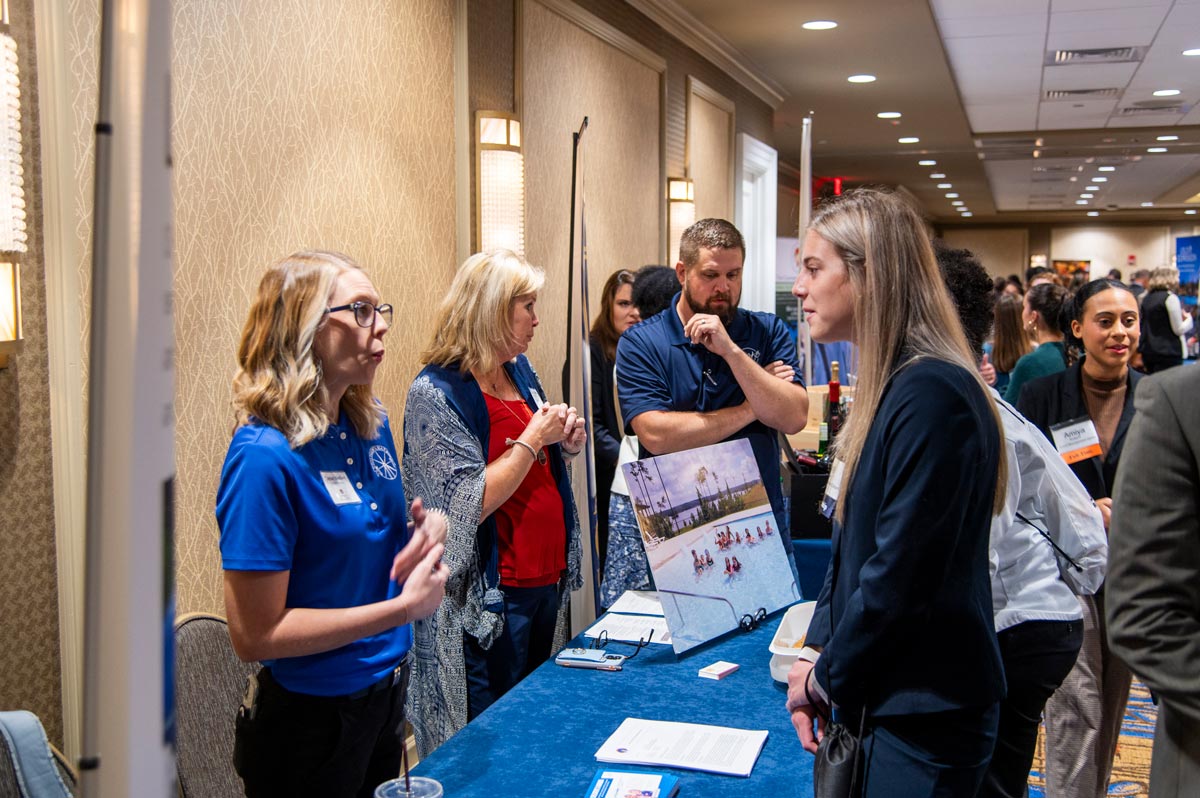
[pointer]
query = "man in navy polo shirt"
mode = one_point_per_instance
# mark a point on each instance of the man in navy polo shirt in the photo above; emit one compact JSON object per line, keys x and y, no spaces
{"x":705,"y":371}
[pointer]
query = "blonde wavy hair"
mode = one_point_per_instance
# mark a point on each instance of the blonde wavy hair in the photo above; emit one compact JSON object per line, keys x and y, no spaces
{"x":279,"y":380}
{"x":1165,"y":278}
{"x":901,"y":309}
{"x":473,"y":326}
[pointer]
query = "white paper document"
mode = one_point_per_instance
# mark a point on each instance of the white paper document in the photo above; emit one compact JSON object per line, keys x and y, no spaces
{"x":715,"y":749}
{"x":631,"y":628}
{"x":638,"y":602}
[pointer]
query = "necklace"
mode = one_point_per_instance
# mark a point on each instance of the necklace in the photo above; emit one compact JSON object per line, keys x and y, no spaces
{"x":524,"y":422}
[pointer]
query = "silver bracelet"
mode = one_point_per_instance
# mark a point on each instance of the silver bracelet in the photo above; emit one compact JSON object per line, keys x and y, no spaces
{"x":515,"y":442}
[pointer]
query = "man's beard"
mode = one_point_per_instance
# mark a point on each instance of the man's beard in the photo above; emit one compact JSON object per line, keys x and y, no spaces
{"x":725,"y":315}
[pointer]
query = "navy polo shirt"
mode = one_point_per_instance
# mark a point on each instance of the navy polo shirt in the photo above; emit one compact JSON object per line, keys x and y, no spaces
{"x":658,"y":368}
{"x":333,"y":512}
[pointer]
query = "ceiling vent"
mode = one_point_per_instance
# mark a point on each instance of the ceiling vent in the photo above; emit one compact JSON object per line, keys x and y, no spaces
{"x":1148,"y":107}
{"x":1098,"y":55}
{"x":1060,"y":168}
{"x":1080,"y":94}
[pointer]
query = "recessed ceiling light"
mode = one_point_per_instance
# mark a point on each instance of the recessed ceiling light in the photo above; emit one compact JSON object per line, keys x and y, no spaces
{"x":1081,"y":202}
{"x":1092,"y":188}
{"x":888,"y":114}
{"x":1086,"y":196}
{"x":1167,"y":138}
{"x":819,"y":24}
{"x":1100,"y":179}
{"x":908,"y":140}
{"x":861,"y":78}
{"x":1093,"y":213}
{"x":926,"y":163}
{"x":951,"y":195}
{"x":1156,"y":149}
{"x":945,"y":185}
{"x":1106,"y":168}
{"x":1190,"y":213}
{"x":1073,"y":178}
{"x":1193,"y":51}
{"x":1147,"y":204}
{"x":968,"y":213}
{"x":1166,"y":92}
{"x":937,"y":175}
{"x":958,"y":202}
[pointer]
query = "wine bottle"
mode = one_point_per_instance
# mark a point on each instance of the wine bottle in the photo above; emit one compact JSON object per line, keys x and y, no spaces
{"x":834,"y":413}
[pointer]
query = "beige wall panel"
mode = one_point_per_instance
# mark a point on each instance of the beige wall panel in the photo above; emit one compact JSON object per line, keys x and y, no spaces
{"x":1110,"y":247}
{"x":299,"y":125}
{"x":1002,"y":251}
{"x":570,"y":74}
{"x":710,"y":158}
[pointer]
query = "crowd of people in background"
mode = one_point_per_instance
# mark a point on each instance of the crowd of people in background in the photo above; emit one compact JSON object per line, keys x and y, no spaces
{"x":979,"y":485}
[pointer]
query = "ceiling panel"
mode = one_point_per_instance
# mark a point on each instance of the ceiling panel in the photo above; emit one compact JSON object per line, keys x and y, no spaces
{"x":968,"y":77}
{"x":1118,"y":19}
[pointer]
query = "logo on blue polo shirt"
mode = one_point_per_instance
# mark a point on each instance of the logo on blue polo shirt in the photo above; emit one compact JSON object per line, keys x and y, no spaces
{"x":754,"y":354}
{"x":382,"y":462}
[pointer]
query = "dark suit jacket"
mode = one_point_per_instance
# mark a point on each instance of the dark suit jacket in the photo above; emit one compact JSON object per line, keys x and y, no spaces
{"x":1051,"y":400}
{"x":905,"y":616}
{"x":1153,"y":586}
{"x":605,"y":424}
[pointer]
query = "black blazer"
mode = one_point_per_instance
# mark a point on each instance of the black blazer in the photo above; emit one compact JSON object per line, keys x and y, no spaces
{"x":905,"y":616}
{"x":605,"y":424}
{"x":1052,"y":400}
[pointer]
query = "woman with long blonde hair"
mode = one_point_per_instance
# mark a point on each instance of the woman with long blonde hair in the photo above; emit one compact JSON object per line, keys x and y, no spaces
{"x":324,"y":570}
{"x":483,"y":443}
{"x":902,"y":642}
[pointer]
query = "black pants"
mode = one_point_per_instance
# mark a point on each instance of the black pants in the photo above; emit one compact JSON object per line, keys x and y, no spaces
{"x":939,"y":755}
{"x":301,"y":746}
{"x":530,"y":614}
{"x":1037,"y":656}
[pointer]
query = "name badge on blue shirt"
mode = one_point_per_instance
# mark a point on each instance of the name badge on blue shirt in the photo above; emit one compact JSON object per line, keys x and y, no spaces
{"x":339,"y":487}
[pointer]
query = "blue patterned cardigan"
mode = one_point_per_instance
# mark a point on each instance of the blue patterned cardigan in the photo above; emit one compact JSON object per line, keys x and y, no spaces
{"x":446,"y":432}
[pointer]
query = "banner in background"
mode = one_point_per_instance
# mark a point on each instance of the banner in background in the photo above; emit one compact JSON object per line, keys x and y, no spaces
{"x":1187,"y":261}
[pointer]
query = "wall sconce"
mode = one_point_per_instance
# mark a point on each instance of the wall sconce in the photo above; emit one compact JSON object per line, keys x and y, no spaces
{"x":10,"y":311}
{"x":681,"y":212}
{"x":13,"y":236}
{"x":500,"y":192}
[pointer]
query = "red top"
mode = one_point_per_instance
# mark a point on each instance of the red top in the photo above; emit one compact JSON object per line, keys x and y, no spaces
{"x":533,"y":539}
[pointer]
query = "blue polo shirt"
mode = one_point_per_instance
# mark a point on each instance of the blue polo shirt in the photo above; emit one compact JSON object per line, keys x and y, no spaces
{"x":333,"y":513}
{"x":658,"y":368}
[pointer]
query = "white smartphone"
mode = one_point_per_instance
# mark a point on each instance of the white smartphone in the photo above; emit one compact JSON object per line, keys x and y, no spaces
{"x":593,"y":658}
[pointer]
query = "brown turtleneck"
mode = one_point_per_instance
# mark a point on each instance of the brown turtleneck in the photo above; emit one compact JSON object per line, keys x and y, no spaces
{"x":1105,"y":400}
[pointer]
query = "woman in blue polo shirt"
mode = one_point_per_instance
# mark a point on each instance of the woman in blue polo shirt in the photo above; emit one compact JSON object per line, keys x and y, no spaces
{"x":316,"y":541}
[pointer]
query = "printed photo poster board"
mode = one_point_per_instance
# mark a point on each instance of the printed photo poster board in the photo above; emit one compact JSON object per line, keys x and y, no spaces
{"x":711,"y":540}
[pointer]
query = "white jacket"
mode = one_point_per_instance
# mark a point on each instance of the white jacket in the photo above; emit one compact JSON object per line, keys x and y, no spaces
{"x":1030,"y":581}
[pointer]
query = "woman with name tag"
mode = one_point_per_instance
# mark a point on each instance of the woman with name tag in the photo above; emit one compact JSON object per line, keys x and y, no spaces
{"x":316,"y":539}
{"x":482,"y":443}
{"x":902,"y":643}
{"x":1085,"y":411}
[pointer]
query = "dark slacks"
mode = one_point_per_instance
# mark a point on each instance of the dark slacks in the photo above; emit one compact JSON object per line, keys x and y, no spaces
{"x":530,"y":614}
{"x":937,"y":755}
{"x":1037,"y":656}
{"x":304,"y":746}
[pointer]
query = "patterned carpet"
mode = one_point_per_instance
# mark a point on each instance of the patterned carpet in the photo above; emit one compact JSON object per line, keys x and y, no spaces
{"x":1131,"y":767}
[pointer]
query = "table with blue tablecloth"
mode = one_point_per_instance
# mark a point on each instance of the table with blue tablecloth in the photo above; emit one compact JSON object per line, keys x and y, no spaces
{"x":541,"y":738}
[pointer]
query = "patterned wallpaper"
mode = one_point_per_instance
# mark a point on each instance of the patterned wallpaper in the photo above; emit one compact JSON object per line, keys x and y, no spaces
{"x":299,"y":124}
{"x":29,"y":663}
{"x":569,"y":74}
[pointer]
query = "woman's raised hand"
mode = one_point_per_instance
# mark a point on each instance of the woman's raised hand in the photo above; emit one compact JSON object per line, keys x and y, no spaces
{"x":426,"y":529}
{"x":548,"y":424}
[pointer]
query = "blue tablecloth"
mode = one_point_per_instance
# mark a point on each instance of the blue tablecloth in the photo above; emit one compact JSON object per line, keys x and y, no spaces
{"x":541,"y":738}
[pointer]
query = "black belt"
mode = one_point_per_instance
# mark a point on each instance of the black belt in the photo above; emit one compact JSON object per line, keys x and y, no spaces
{"x":386,"y":683}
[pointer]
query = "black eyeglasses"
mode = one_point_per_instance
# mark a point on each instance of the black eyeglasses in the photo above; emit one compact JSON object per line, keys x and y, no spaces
{"x":749,"y":621}
{"x":602,"y":641}
{"x":364,"y":312}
